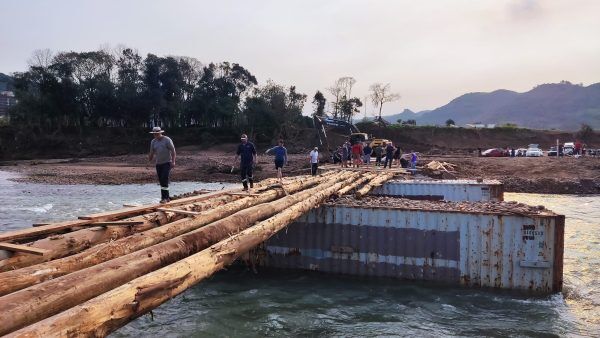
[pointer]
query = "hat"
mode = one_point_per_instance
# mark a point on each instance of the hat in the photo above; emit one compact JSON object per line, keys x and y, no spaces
{"x":244,"y":137}
{"x":157,"y":130}
{"x":316,"y":148}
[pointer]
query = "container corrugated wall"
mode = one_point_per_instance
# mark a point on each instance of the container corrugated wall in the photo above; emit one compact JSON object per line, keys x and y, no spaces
{"x":449,"y":190}
{"x":478,"y":250}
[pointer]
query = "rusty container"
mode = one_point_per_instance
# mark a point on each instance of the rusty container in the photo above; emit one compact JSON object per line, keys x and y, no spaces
{"x":486,"y":248}
{"x":448,"y":190}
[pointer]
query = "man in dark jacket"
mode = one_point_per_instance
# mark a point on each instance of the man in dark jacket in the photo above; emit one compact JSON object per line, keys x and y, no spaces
{"x":389,"y":155}
{"x":247,"y":154}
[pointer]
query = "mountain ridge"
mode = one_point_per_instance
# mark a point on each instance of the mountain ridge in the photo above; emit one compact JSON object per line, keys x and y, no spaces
{"x":561,"y":105}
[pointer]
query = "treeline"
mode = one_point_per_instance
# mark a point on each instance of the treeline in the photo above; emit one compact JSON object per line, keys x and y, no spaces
{"x":79,"y":90}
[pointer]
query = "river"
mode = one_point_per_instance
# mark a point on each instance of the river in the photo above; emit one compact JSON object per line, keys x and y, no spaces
{"x":239,"y":303}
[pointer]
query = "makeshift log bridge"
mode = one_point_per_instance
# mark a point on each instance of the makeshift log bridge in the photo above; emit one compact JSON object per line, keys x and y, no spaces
{"x":146,"y":255}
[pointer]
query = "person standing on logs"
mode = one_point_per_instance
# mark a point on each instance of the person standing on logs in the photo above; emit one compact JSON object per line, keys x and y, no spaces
{"x":247,"y":154}
{"x":314,"y":161}
{"x":389,"y":154}
{"x":280,"y":158}
{"x":162,"y":151}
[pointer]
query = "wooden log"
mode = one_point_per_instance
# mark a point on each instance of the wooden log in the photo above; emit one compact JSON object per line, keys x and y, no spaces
{"x":179,"y":211}
{"x":375,"y":182}
{"x":358,"y":182}
{"x":37,"y":302}
{"x":107,"y":223}
{"x":111,"y":310}
{"x":22,"y":248}
{"x":11,"y":281}
{"x":41,"y":230}
{"x":77,"y":241}
{"x":110,"y":216}
{"x":242,"y":194}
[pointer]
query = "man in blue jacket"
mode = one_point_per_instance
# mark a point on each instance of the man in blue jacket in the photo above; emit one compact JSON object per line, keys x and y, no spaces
{"x":247,"y":154}
{"x":280,"y":158}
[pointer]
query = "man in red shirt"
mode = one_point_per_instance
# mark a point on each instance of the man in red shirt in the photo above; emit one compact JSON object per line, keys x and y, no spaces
{"x":357,"y":154}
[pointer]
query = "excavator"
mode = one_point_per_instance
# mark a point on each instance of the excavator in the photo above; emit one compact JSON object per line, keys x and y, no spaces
{"x":350,"y":131}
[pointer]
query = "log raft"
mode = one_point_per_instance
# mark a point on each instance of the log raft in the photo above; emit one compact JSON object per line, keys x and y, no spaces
{"x":60,"y":295}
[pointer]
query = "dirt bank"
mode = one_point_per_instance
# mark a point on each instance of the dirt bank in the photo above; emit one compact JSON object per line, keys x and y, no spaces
{"x":192,"y":165}
{"x":534,"y":175}
{"x":547,"y":175}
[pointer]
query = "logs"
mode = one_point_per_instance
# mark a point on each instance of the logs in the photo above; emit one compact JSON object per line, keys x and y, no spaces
{"x":73,"y":242}
{"x":376,"y":182}
{"x":358,"y":182}
{"x":113,"y":309}
{"x":18,"y":279}
{"x":41,"y":301}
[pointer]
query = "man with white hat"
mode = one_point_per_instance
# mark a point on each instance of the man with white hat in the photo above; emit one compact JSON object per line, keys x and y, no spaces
{"x":163,"y":151}
{"x":247,"y":154}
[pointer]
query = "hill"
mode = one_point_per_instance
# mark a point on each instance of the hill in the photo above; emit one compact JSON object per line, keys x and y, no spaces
{"x":563,"y":106}
{"x":6,"y":82}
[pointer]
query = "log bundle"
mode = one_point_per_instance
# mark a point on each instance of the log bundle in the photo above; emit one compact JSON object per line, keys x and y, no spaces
{"x":130,"y":263}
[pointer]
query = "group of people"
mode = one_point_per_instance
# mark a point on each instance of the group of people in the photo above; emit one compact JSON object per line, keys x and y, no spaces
{"x":360,"y":153}
{"x":163,"y":154}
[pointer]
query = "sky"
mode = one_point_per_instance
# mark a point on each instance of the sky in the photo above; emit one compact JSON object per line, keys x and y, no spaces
{"x":429,"y":51}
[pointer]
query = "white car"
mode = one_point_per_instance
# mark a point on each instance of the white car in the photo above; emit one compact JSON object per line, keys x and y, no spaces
{"x":534,"y":151}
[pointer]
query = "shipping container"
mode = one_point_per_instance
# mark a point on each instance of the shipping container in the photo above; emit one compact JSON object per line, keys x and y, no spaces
{"x":449,"y":190}
{"x":483,"y":248}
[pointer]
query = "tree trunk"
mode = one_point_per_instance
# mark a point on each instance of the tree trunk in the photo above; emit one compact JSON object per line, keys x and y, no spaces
{"x":111,"y":310}
{"x":77,"y":241}
{"x":12,"y":281}
{"x":376,"y":182}
{"x":41,"y":301}
{"x":346,"y":189}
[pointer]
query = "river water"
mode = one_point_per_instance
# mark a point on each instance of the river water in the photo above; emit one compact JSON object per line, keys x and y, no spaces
{"x":239,"y":303}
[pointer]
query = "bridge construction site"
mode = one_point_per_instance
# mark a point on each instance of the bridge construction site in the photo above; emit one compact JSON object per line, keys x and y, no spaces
{"x":93,"y":275}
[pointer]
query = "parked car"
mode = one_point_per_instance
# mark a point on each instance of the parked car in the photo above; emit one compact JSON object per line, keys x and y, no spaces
{"x":521,"y":152}
{"x":534,"y":151}
{"x":569,"y":148}
{"x":554,"y":152}
{"x":494,"y":152}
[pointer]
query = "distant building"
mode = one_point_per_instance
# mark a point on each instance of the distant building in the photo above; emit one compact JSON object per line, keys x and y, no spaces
{"x":7,"y":100}
{"x":480,"y":125}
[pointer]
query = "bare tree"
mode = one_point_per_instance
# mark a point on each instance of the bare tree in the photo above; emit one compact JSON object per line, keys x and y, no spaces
{"x":336,"y":90}
{"x":381,"y":94}
{"x":40,"y":58}
{"x":342,"y":88}
{"x":347,"y":82}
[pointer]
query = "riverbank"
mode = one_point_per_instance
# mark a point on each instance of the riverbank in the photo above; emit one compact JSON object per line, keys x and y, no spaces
{"x":533,"y":175}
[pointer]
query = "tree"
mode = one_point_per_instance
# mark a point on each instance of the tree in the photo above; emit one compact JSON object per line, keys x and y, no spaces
{"x":349,"y":107}
{"x":40,"y":58}
{"x":450,"y":122}
{"x":341,"y":88}
{"x":273,"y":111}
{"x":585,"y":133}
{"x":336,"y":90}
{"x":381,"y":94}
{"x":319,"y":101}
